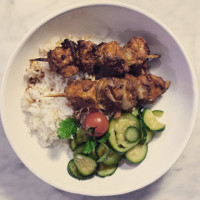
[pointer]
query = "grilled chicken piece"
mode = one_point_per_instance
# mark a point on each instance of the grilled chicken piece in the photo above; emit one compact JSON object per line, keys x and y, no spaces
{"x":136,"y":51}
{"x":140,"y":70}
{"x":62,"y":59}
{"x":112,"y":95}
{"x":116,"y":94}
{"x":86,"y":55}
{"x":103,"y":60}
{"x":149,"y":87}
{"x":110,"y":55}
{"x":82,"y":94}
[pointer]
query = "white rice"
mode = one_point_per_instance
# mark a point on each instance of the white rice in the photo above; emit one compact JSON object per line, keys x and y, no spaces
{"x":45,"y":113}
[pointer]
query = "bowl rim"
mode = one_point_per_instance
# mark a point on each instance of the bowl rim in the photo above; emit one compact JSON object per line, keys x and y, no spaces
{"x":76,"y":6}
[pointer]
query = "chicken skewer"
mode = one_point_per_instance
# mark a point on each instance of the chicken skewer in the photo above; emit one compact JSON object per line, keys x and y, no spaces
{"x":113,"y":95}
{"x":106,"y":59}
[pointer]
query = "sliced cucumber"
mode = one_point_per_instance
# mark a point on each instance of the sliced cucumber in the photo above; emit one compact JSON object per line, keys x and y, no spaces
{"x":73,"y":171}
{"x":135,"y":112}
{"x":130,"y":117}
{"x":151,"y":122}
{"x":118,"y":146}
{"x":132,"y":134}
{"x":81,"y":136}
{"x":143,"y":133}
{"x":112,"y":158}
{"x":137,"y":154}
{"x":125,"y":121}
{"x":86,"y":165}
{"x":117,"y":128}
{"x":158,"y":113}
{"x":106,"y":170}
{"x":93,"y":154}
{"x":150,"y":136}
{"x":73,"y":144}
{"x":79,"y":149}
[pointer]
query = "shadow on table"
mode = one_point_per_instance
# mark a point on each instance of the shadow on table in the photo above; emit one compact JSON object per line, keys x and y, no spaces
{"x":18,"y":183}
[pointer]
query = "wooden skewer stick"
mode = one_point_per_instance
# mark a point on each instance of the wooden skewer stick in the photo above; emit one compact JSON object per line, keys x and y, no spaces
{"x":40,"y":59}
{"x":153,"y":56}
{"x":56,"y":95}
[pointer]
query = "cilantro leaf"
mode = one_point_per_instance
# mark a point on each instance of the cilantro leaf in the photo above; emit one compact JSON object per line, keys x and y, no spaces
{"x":104,"y":138}
{"x":90,"y":130}
{"x":89,"y":146}
{"x":66,"y":128}
{"x":104,"y":155}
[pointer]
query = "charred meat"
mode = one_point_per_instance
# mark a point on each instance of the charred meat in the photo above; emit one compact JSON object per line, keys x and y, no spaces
{"x":85,"y":55}
{"x":104,"y":60}
{"x":110,"y":57}
{"x":113,"y":95}
{"x":136,"y":51}
{"x":62,"y":59}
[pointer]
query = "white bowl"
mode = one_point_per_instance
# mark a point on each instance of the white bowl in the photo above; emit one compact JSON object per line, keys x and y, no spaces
{"x":108,"y":22}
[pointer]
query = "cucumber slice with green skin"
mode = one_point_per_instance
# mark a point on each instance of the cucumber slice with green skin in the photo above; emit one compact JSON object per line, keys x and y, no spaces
{"x":125,"y":121}
{"x":117,"y":128}
{"x":73,"y":171}
{"x":135,"y":112}
{"x":137,"y":154}
{"x":143,"y":133}
{"x":73,"y":144}
{"x":106,"y":170}
{"x":131,"y":117}
{"x":151,"y":122}
{"x":81,"y":136}
{"x":132,"y":134}
{"x":86,"y":165}
{"x":93,"y":154}
{"x":112,"y":158}
{"x":150,"y":136}
{"x":79,"y":149}
{"x":158,"y":113}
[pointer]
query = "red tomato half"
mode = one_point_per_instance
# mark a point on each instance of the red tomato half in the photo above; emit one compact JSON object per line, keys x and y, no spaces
{"x":98,"y":120}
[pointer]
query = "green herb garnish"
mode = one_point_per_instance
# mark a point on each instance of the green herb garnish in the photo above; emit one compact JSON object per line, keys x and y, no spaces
{"x":89,"y":146}
{"x":90,"y":130}
{"x":67,"y":128}
{"x":104,"y":138}
{"x":92,"y":142}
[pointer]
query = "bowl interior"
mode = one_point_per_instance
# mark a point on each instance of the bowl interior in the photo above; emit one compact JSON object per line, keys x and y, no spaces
{"x":104,"y":24}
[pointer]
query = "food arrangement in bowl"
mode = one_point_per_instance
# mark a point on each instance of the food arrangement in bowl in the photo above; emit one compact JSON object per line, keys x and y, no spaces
{"x":103,"y":88}
{"x":83,"y":67}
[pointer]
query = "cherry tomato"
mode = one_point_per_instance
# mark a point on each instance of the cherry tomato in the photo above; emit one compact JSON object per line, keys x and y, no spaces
{"x":98,"y":120}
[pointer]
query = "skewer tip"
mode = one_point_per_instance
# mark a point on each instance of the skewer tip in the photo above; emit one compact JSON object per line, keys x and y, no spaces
{"x":56,"y":95}
{"x":39,"y":59}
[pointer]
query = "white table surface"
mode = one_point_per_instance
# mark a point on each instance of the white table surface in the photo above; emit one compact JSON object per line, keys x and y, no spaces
{"x":181,"y":182}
